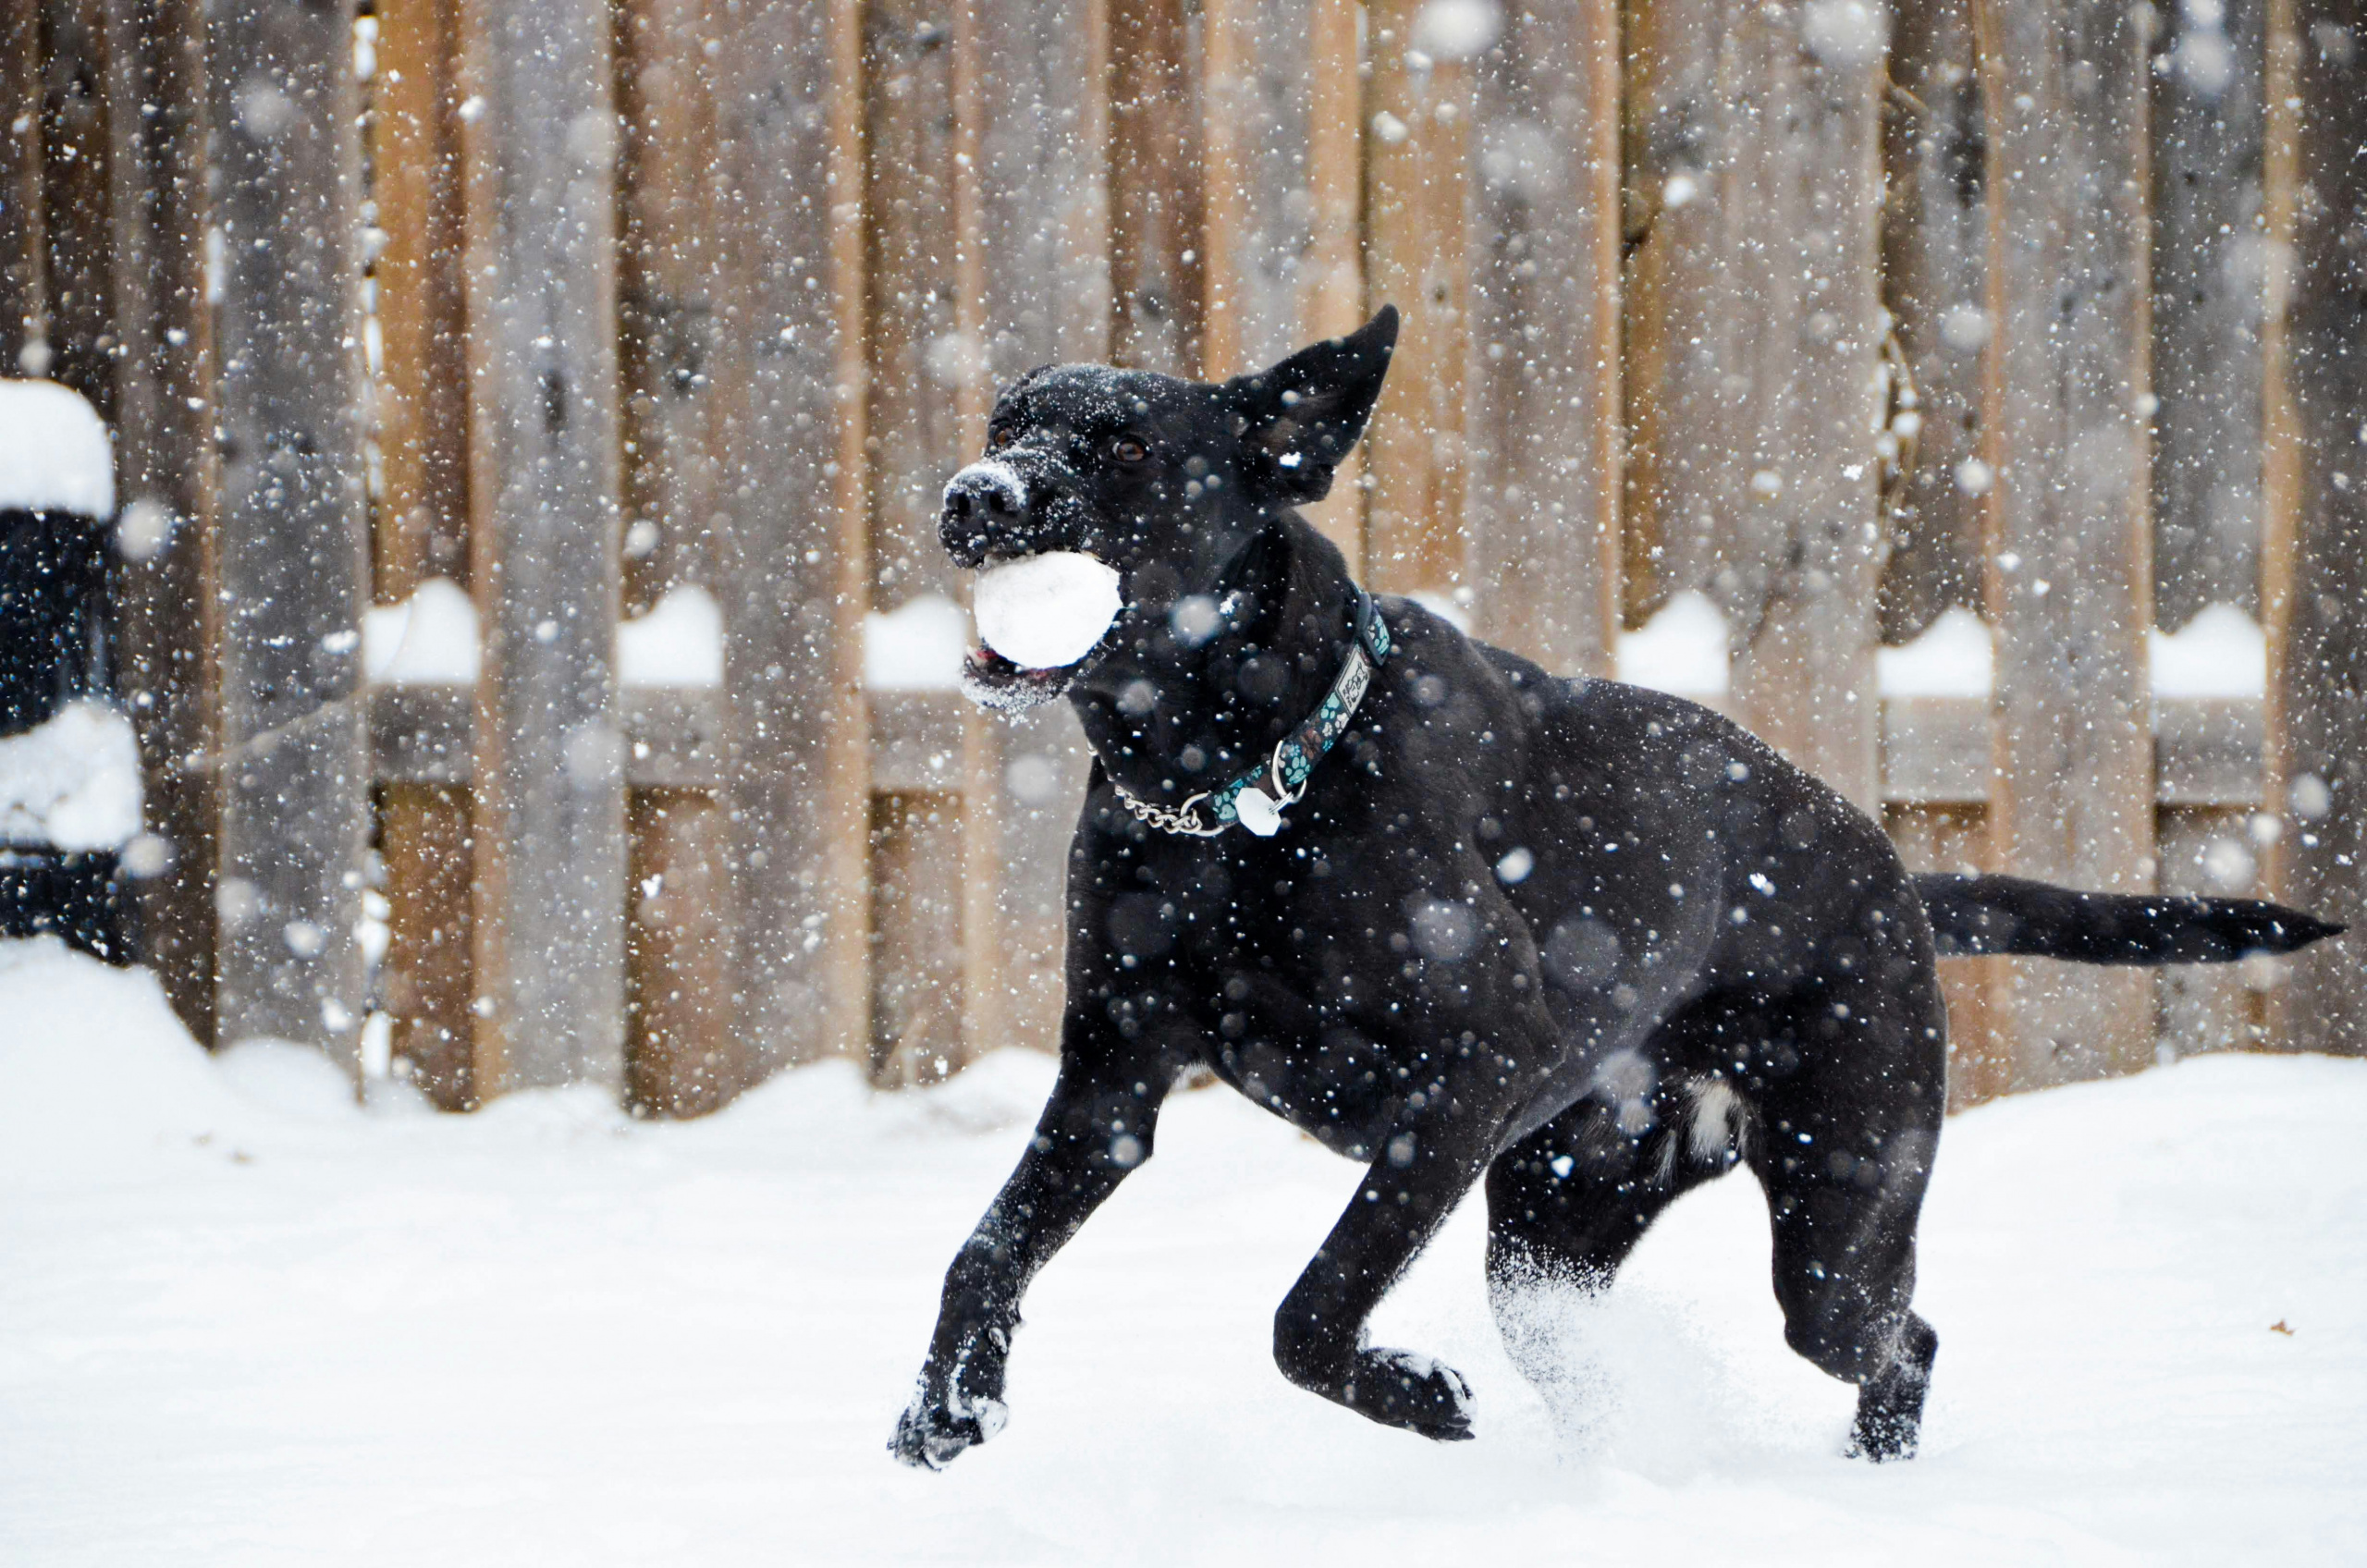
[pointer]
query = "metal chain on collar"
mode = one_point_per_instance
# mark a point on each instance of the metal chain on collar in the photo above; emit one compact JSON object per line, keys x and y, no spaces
{"x":1184,"y":819}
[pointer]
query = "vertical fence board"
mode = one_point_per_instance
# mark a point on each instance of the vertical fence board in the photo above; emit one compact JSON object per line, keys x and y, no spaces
{"x":684,"y":1053}
{"x":24,"y":291}
{"x":1155,"y":123}
{"x":294,"y":539}
{"x":540,"y":146}
{"x":1679,"y":73}
{"x":1260,"y":231}
{"x":166,"y":585}
{"x":1416,"y":172}
{"x":428,"y":979}
{"x":1955,"y":839}
{"x":1759,"y":154}
{"x":1541,"y":498}
{"x":74,"y":148}
{"x":2210,"y":264}
{"x":2069,"y":579}
{"x":798,"y":567}
{"x":915,"y":938}
{"x":1936,"y":259}
{"x":1335,"y":259}
{"x":1040,"y":256}
{"x":2211,"y":257}
{"x":687,"y":1058}
{"x":2320,"y":646}
{"x":423,"y":387}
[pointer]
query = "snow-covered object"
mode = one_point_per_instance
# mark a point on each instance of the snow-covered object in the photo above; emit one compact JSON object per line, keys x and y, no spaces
{"x":918,"y":646}
{"x":2221,"y":653}
{"x":428,"y":640}
{"x":1048,"y":610}
{"x":678,"y":643}
{"x":72,"y":783}
{"x":54,"y":455}
{"x":1683,"y":649}
{"x":1955,"y":657}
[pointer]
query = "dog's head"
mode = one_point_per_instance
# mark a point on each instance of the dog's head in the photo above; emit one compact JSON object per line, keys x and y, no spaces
{"x":1168,"y":481}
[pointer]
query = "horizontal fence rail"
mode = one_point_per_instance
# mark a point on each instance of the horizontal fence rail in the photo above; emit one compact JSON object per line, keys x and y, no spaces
{"x":532,"y":415}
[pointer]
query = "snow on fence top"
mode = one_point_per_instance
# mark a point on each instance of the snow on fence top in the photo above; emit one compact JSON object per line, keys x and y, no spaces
{"x":918,"y":646}
{"x":1683,"y":649}
{"x":55,"y":454}
{"x":71,"y":783}
{"x":2221,"y":653}
{"x":678,"y":643}
{"x":1955,"y":657}
{"x":430,"y":638}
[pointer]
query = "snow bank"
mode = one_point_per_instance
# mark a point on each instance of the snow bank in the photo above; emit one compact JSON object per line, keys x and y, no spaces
{"x":245,"y":1320}
{"x":73,"y":782}
{"x":918,"y":646}
{"x":428,"y":640}
{"x":678,"y":643}
{"x":1681,"y":649}
{"x":1955,"y":657}
{"x":54,"y":453}
{"x":2221,"y":653}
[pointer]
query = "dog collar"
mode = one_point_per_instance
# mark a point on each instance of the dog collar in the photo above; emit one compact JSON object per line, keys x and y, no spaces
{"x":1258,"y":799}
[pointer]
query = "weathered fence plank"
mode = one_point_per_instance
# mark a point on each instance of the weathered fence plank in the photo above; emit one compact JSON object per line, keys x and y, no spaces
{"x":1759,"y":133}
{"x":1335,"y":248}
{"x":541,"y":143}
{"x":24,"y":248}
{"x":2210,"y":259}
{"x":684,"y":1053}
{"x":1935,"y":260}
{"x":1416,"y":173}
{"x":1541,"y":496}
{"x":74,"y":137}
{"x":1260,"y":219}
{"x":169,"y":592}
{"x":2069,"y":581}
{"x":293,"y":533}
{"x":427,"y":978}
{"x":798,"y":567}
{"x":1155,"y":180}
{"x":1981,"y":1057}
{"x":2318,"y":617}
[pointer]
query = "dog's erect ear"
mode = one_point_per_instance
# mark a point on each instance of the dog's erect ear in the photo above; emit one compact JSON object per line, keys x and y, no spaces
{"x":1299,"y":418}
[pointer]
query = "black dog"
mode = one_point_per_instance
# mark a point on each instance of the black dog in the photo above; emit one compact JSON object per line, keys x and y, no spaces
{"x":1590,"y":941}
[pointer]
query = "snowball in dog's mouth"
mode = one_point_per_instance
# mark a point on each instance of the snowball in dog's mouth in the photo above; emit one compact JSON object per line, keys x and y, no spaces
{"x":1039,"y":618}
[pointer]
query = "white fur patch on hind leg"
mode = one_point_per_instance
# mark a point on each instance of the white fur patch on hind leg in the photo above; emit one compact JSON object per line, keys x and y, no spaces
{"x":1714,"y":1135}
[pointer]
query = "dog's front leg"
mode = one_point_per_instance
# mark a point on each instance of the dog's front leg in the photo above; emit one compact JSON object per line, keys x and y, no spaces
{"x":1095,"y":1129}
{"x":1428,"y":1162}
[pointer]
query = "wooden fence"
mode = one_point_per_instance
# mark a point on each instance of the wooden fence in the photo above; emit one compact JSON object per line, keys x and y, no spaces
{"x":1837,"y":314}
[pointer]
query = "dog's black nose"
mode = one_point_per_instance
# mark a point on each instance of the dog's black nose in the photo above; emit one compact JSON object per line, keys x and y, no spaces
{"x":983,"y":501}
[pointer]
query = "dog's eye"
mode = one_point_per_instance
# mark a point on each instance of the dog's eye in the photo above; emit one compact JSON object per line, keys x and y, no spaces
{"x":1127,"y":450}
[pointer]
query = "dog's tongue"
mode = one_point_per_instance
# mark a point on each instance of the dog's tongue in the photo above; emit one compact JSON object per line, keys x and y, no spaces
{"x":1048,"y":610}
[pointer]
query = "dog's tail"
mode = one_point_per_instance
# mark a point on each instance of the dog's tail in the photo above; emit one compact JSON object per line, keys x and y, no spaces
{"x":1973,"y":916}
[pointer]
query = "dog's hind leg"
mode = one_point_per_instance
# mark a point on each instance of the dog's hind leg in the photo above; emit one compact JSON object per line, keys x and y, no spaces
{"x":1568,"y":1203}
{"x":1847,"y":1138}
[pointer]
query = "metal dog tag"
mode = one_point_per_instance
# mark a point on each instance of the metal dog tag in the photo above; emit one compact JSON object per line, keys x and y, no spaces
{"x":1258,"y":812}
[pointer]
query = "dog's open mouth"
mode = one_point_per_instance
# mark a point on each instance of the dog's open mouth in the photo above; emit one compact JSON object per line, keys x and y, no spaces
{"x":993,"y":681}
{"x":1042,"y":618}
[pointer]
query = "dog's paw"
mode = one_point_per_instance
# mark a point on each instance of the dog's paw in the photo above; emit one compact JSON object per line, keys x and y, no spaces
{"x":1882,"y":1437}
{"x":1404,"y":1388}
{"x":931,"y":1435}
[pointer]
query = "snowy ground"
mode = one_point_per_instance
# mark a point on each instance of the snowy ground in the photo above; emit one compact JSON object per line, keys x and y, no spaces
{"x":242,"y":1321}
